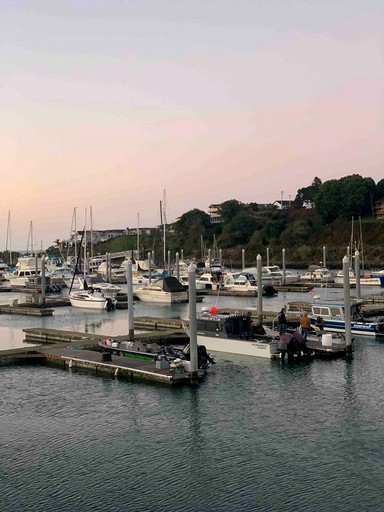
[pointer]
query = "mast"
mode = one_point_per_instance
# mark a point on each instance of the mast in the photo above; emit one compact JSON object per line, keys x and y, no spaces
{"x":90,"y":213}
{"x":138,"y":238}
{"x":85,"y":243}
{"x":30,"y":238}
{"x":9,"y":241}
{"x":164,"y":228}
{"x":361,"y":245}
{"x":162,"y":225}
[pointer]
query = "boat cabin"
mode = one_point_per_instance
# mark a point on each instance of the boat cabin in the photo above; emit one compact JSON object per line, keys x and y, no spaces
{"x":335,"y":311}
{"x":224,"y":326}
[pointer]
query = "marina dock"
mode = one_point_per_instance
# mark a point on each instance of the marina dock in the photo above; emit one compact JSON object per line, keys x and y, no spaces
{"x":69,"y":349}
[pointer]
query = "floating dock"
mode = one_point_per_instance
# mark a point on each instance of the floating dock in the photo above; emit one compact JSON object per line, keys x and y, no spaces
{"x":69,"y":349}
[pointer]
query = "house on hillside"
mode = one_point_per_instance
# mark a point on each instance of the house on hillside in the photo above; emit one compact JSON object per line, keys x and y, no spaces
{"x":282,"y":204}
{"x":378,"y":208}
{"x":95,"y":236}
{"x":139,"y":231}
{"x":214,"y":214}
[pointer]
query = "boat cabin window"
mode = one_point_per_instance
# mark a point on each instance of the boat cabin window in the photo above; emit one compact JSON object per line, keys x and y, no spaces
{"x":237,"y":326}
{"x":320,"y":311}
{"x":208,"y":326}
{"x":335,"y":312}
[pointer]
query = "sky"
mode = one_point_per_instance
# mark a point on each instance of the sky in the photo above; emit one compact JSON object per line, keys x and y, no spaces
{"x":106,"y":104}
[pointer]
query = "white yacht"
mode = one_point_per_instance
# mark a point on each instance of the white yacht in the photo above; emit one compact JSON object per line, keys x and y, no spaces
{"x":242,"y":282}
{"x":167,"y":290}
{"x":364,"y":280}
{"x":316,"y":273}
{"x":277,"y":274}
{"x":98,"y":284}
{"x":26,"y":267}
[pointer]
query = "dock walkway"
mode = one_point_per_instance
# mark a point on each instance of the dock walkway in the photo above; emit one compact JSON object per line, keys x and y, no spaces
{"x":132,"y":368}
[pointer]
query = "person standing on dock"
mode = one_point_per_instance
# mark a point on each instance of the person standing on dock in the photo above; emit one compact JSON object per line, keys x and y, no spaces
{"x":282,"y":322}
{"x":305,"y":324}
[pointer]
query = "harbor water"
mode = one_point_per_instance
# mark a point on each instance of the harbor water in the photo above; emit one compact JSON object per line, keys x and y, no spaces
{"x":256,"y":435}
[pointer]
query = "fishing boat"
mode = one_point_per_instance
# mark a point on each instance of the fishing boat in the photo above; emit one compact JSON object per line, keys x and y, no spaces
{"x":332,"y":315}
{"x":166,"y":290}
{"x":235,"y":334}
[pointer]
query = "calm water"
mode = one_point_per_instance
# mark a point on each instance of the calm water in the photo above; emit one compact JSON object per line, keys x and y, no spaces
{"x":257,"y":435}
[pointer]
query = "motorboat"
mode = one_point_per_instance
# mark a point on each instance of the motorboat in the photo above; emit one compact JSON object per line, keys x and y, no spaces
{"x":62,"y":275}
{"x":26,"y":267}
{"x":90,"y":299}
{"x":36,"y":283}
{"x":273,"y":275}
{"x":208,"y":281}
{"x":364,"y":280}
{"x":316,"y":273}
{"x":166,"y":290}
{"x":4,"y":271}
{"x":155,"y":352}
{"x":235,"y":334}
{"x":98,"y":284}
{"x":332,"y":315}
{"x":119,"y":274}
{"x":246,"y":282}
{"x":276,"y":274}
{"x":242,"y":282}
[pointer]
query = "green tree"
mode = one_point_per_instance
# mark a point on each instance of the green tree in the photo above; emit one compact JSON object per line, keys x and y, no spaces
{"x":347,"y":197}
{"x":189,"y":229}
{"x":380,"y":189}
{"x":306,"y":195}
{"x":229,"y":209}
{"x":238,"y":231}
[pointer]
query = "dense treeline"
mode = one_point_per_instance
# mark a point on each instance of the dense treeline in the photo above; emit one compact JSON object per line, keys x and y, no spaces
{"x":320,"y":215}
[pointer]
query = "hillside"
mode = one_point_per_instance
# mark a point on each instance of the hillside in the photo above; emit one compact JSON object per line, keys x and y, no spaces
{"x":301,"y":234}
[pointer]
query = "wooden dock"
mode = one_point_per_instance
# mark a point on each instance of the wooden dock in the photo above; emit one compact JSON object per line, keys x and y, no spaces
{"x":68,"y":349}
{"x":128,"y":367}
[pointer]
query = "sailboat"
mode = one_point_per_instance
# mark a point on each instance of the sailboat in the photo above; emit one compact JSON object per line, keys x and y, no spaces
{"x":6,"y":269}
{"x":89,"y":298}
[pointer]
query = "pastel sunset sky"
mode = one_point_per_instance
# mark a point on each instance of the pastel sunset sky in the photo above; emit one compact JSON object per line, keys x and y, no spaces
{"x":106,"y":103}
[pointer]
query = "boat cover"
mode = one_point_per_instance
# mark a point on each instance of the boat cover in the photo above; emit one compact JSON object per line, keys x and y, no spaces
{"x":171,"y":284}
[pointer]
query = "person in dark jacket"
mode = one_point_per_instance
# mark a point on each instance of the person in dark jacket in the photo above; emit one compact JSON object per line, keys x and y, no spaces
{"x":282,"y":322}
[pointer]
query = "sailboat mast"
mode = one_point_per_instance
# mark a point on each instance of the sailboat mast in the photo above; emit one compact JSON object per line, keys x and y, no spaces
{"x":138,"y":236}
{"x":85,"y":243}
{"x":9,"y":241}
{"x":164,"y":228}
{"x":74,"y":231}
{"x":30,"y":238}
{"x":361,"y":245}
{"x":90,"y":213}
{"x":162,"y":225}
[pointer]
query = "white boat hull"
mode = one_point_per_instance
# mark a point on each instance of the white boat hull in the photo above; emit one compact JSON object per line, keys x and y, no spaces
{"x":266,"y":349}
{"x":90,"y":301}
{"x":150,"y":295}
{"x":364,"y":281}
